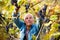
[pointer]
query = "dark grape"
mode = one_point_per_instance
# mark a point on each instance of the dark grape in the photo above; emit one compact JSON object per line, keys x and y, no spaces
{"x":7,"y":29}
{"x":44,"y":9}
{"x":27,"y":7}
{"x":9,"y":26}
{"x":40,"y":14}
{"x":13,"y":1}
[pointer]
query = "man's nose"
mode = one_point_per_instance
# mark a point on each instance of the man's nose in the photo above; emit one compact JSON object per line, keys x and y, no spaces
{"x":28,"y":19}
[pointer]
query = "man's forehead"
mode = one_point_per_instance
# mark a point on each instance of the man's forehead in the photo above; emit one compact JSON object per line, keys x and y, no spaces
{"x":29,"y":14}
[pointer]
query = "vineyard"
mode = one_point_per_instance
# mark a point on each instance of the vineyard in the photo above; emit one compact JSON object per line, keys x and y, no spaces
{"x":50,"y":28}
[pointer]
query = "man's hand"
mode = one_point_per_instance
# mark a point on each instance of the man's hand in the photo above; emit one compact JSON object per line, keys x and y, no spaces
{"x":14,"y":2}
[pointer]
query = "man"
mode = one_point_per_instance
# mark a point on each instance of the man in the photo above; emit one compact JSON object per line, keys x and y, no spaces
{"x":27,"y":28}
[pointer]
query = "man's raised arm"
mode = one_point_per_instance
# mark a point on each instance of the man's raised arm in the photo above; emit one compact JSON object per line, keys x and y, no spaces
{"x":15,"y":17}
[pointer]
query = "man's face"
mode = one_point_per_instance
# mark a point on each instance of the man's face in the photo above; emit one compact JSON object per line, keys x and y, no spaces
{"x":29,"y":20}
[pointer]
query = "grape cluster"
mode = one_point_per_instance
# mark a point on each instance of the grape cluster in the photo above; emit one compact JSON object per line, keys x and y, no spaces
{"x":27,"y":7}
{"x":9,"y":26}
{"x":44,"y":9}
{"x":42,"y":12}
{"x":13,"y":1}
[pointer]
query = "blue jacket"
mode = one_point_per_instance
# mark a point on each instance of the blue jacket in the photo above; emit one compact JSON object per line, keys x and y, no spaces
{"x":21,"y":25}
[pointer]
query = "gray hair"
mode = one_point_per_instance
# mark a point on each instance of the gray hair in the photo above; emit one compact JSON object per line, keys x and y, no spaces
{"x":28,"y":14}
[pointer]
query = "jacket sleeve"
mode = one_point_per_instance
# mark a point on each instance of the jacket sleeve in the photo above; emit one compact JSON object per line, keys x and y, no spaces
{"x":37,"y":24}
{"x":16,"y":20}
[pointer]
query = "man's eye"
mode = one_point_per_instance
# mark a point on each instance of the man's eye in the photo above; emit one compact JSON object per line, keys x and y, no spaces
{"x":30,"y":17}
{"x":26,"y":18}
